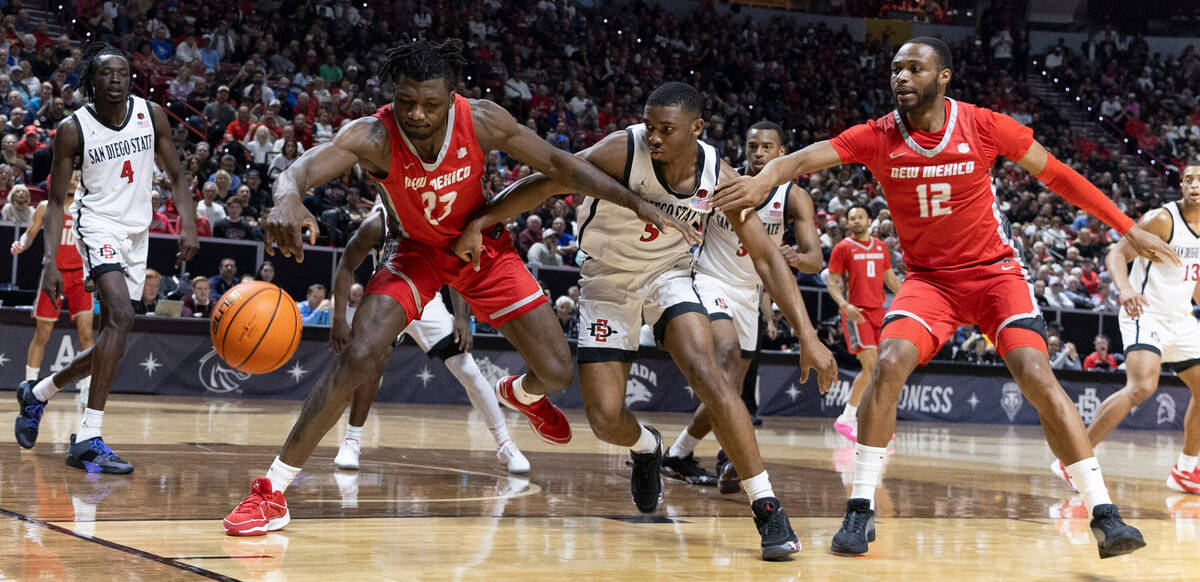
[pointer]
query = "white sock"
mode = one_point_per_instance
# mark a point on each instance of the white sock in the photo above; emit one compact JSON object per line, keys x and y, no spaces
{"x":481,"y":394}
{"x":522,"y":396}
{"x":684,"y":445}
{"x":46,"y":388}
{"x":281,"y":475}
{"x":353,"y":432}
{"x":850,"y":412}
{"x":645,"y":443}
{"x":84,"y":384}
{"x":1186,"y":463}
{"x":31,"y":373}
{"x":868,"y":467}
{"x":758,"y":486}
{"x":89,"y":425}
{"x":1088,"y":479}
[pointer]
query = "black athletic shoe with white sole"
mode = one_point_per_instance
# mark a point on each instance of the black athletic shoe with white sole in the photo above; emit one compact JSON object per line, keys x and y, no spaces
{"x":778,"y":539}
{"x":858,"y":528}
{"x":1114,"y":537}
{"x":29,"y":414}
{"x":94,"y":456}
{"x":646,"y":481}
{"x":687,"y":469}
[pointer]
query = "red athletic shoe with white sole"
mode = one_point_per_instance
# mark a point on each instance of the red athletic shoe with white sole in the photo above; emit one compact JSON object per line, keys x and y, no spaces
{"x":546,"y":420}
{"x":1060,"y":470}
{"x":262,"y":511}
{"x":1186,"y":482}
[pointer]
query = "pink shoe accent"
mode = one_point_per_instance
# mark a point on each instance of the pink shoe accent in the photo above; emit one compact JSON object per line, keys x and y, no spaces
{"x":846,"y":430}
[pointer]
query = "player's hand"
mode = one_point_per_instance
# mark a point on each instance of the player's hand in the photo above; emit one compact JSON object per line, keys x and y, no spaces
{"x":283,"y":228}
{"x":814,"y":354}
{"x":1151,"y":246}
{"x":651,"y":214}
{"x":772,"y":329}
{"x":789,"y":254}
{"x":189,"y":243}
{"x":52,"y":283}
{"x":339,"y":335}
{"x":469,"y":245}
{"x":18,"y":247}
{"x":854,"y":314}
{"x":462,"y":334}
{"x":740,"y":192}
{"x":1133,"y":302}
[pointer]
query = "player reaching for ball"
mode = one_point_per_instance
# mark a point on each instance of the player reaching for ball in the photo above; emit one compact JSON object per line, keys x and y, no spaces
{"x":933,"y":157}
{"x":427,"y":150}
{"x":113,"y":142}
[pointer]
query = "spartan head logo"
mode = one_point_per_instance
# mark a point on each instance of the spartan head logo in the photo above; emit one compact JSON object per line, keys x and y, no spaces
{"x":216,"y":377}
{"x":1166,"y":408}
{"x":1011,"y":400}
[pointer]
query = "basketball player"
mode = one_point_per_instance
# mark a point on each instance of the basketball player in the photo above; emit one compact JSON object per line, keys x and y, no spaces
{"x":731,"y":292}
{"x":1157,"y":325}
{"x":113,"y":142}
{"x":866,"y":263}
{"x":932,"y":155}
{"x":636,"y":272}
{"x":437,"y":333}
{"x":79,"y":301}
{"x":426,"y":149}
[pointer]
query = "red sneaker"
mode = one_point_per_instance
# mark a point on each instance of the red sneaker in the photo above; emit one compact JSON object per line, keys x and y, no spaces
{"x":262,"y":511}
{"x":1188,"y":482}
{"x":546,"y":420}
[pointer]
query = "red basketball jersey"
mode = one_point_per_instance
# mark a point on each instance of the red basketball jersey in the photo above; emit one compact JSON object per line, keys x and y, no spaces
{"x":863,"y":264}
{"x":938,"y":185}
{"x":68,"y":254}
{"x":434,"y":200}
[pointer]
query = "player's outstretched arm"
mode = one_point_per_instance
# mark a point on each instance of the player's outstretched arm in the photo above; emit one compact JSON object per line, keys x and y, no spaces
{"x":366,"y":237}
{"x":364,"y":141}
{"x":747,"y":191}
{"x":497,"y":129}
{"x":35,"y":226}
{"x":1075,"y":189}
{"x":168,"y":158}
{"x":779,"y":283}
{"x":1158,"y":223}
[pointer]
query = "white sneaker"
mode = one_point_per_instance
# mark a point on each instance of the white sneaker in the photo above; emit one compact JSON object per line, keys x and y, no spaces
{"x":347,"y":456}
{"x":348,"y":486}
{"x":511,"y":456}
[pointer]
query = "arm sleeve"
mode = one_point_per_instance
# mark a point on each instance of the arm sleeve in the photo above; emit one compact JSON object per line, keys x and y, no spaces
{"x":1078,"y":191}
{"x":1004,"y":135}
{"x":857,"y":145}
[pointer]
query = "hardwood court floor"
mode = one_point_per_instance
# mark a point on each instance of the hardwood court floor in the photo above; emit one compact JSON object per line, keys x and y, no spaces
{"x":959,"y":502}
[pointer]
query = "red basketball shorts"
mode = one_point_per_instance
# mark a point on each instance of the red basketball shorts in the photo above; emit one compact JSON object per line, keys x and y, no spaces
{"x":865,"y":335}
{"x":501,"y":291}
{"x":78,"y":300}
{"x":932,"y":305}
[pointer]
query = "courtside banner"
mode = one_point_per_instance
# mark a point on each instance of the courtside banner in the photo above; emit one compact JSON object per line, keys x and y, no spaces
{"x":175,"y":357}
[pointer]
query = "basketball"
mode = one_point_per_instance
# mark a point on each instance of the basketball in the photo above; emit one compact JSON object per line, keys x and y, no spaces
{"x":255,"y":327}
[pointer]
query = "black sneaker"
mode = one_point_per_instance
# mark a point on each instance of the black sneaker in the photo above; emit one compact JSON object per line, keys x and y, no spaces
{"x":29,"y":414}
{"x":858,"y":528}
{"x":646,"y":481}
{"x":688,"y":469}
{"x":1113,"y":536}
{"x":755,"y":420}
{"x":728,"y":482}
{"x":94,"y":456}
{"x":778,"y":539}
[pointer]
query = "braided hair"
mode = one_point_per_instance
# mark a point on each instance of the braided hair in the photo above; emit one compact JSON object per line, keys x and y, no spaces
{"x":422,"y":60}
{"x":91,"y":54}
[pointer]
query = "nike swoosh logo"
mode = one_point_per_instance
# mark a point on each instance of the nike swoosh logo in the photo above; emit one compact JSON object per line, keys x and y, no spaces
{"x":1007,"y":267}
{"x":894,"y":156}
{"x":408,"y":165}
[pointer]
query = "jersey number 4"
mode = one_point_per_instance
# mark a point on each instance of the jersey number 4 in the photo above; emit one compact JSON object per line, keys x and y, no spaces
{"x":432,"y":200}
{"x":932,"y":205}
{"x":127,"y":171}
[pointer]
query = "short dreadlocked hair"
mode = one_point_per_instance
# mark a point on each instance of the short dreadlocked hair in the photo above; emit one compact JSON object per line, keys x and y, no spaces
{"x":91,"y":54}
{"x":422,"y":60}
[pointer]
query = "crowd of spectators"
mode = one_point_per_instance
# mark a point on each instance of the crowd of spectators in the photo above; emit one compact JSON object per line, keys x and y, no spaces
{"x":252,"y":85}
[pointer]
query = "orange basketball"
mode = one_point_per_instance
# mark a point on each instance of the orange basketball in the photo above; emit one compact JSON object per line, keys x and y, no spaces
{"x":255,"y":327}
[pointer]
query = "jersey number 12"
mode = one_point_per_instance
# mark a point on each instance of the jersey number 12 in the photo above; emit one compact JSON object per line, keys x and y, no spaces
{"x":932,"y":205}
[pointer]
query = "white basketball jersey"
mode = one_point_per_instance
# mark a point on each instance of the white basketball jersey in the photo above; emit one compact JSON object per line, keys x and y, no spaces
{"x":722,"y":254}
{"x":117,"y":168}
{"x":615,"y":235}
{"x":1167,"y":288}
